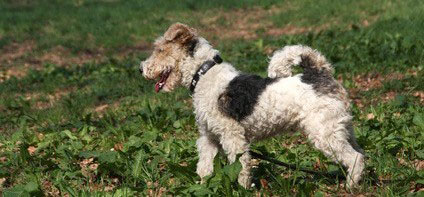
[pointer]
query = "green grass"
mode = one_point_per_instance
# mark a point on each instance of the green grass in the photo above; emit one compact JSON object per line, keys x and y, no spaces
{"x":88,"y":24}
{"x":143,"y":143}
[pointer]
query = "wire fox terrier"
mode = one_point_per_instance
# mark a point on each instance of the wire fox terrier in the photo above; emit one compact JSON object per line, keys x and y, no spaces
{"x":233,"y":109}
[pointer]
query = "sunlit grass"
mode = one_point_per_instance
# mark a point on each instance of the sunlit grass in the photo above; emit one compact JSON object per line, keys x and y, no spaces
{"x":99,"y":129}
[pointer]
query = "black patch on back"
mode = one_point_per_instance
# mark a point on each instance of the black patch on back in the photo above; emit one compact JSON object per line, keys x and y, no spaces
{"x":241,"y":95}
{"x":321,"y":80}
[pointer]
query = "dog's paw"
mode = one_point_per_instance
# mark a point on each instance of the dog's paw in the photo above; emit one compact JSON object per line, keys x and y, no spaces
{"x":245,"y":181}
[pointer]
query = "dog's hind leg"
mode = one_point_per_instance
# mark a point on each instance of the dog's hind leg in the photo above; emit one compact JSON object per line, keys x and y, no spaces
{"x":334,"y":140}
{"x":340,"y":150}
{"x":244,"y":177}
{"x":207,"y":151}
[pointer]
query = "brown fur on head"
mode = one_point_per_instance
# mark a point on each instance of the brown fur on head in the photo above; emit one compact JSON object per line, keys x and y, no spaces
{"x":169,"y":51}
{"x":180,"y":33}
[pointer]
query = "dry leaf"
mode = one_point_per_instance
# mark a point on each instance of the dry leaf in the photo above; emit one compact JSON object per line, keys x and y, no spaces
{"x":264,"y":184}
{"x":94,"y":166}
{"x":419,"y":164}
{"x":85,"y":162}
{"x":40,"y":136}
{"x":118,"y":147}
{"x":370,"y":116}
{"x":420,"y":95}
{"x":31,"y":150}
{"x":2,"y":180}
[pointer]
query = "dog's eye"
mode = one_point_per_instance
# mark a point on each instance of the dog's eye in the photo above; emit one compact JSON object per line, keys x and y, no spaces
{"x":160,"y":50}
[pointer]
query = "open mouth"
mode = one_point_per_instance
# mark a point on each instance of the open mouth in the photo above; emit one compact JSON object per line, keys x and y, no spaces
{"x":161,"y":83}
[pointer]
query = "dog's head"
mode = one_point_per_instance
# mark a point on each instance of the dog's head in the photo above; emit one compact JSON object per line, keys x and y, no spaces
{"x":170,"y":50}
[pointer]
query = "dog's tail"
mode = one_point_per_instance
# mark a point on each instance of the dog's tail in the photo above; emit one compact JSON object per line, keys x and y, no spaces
{"x":309,"y":59}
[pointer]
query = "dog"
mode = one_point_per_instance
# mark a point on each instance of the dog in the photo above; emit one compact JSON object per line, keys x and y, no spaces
{"x":233,"y":109}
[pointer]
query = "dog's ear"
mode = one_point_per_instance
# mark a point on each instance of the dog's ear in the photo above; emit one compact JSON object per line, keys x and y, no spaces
{"x":181,"y":33}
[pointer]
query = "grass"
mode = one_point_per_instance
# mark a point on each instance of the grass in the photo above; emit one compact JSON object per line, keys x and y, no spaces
{"x":96,"y":127}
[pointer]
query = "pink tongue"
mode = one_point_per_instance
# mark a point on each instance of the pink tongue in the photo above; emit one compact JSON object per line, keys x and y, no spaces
{"x":157,"y":86}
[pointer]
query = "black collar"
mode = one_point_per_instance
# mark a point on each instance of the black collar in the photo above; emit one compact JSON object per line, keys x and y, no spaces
{"x":203,"y":69}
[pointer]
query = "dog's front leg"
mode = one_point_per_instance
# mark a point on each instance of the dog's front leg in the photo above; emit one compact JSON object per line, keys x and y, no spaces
{"x":207,"y":151}
{"x":234,"y":145}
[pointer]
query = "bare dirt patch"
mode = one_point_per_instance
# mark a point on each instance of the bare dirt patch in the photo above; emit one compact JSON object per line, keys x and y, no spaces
{"x":63,"y":57}
{"x":137,"y":48}
{"x":43,"y":101}
{"x":291,"y":30}
{"x":388,"y":96}
{"x":101,"y":109}
{"x":15,"y":71}
{"x":416,"y":164}
{"x":374,"y":81}
{"x":239,"y":23}
{"x":18,"y":58}
{"x":368,"y":82}
{"x":249,"y":23}
{"x":246,"y":23}
{"x":15,"y":51}
{"x":10,"y":55}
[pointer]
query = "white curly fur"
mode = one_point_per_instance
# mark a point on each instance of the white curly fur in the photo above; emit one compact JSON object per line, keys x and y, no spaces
{"x":282,"y":60}
{"x":284,"y":105}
